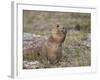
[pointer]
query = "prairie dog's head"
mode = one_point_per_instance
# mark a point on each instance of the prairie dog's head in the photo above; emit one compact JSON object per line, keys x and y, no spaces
{"x":59,"y":32}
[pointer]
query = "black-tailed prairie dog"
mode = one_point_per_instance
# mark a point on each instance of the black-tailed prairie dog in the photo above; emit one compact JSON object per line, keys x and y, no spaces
{"x":53,"y":45}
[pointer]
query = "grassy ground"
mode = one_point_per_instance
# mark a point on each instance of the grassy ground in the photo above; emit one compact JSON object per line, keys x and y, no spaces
{"x":75,"y":53}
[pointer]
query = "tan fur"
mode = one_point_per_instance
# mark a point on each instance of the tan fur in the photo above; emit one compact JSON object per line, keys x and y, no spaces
{"x":53,"y":46}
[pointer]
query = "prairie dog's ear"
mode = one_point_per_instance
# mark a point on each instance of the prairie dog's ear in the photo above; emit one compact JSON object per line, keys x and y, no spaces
{"x":57,"y":26}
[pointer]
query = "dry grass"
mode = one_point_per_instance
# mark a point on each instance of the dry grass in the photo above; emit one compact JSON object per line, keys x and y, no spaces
{"x":75,"y":53}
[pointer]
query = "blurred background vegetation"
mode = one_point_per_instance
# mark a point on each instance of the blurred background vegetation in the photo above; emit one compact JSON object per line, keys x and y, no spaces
{"x":76,"y":49}
{"x":42,"y":21}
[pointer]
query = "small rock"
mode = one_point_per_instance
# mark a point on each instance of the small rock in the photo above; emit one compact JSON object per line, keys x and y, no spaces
{"x":32,"y":65}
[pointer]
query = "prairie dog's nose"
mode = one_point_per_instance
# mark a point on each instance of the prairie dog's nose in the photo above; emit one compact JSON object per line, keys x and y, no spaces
{"x":64,"y":30}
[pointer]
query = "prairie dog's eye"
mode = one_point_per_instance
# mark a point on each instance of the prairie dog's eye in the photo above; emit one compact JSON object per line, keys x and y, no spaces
{"x":63,"y":28}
